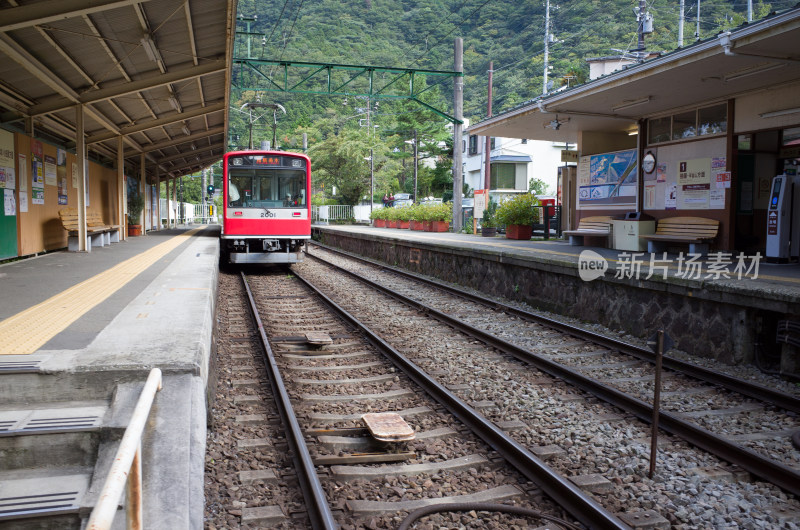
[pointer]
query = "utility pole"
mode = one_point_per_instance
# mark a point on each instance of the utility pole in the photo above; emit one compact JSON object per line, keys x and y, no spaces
{"x":458,"y":114}
{"x":641,"y":16}
{"x":416,"y":153}
{"x":680,"y":23}
{"x":697,"y":31}
{"x":546,"y":44}
{"x":305,"y":142}
{"x":487,"y":180}
{"x":749,"y":10}
{"x":203,"y":193}
{"x":371,"y":181}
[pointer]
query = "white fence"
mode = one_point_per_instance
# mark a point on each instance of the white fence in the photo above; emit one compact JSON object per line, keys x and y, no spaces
{"x":184,"y":212}
{"x":338,"y":212}
{"x":333,"y":212}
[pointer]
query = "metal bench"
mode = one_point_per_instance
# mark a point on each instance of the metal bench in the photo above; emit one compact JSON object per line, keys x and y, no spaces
{"x":98,"y":233}
{"x":598,"y":226}
{"x":697,"y":232}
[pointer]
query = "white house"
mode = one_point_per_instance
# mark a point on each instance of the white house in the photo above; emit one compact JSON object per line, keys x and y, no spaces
{"x":514,"y":163}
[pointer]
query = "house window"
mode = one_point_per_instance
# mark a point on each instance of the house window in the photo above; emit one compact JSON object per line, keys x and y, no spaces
{"x":503,"y":176}
{"x":491,"y":144}
{"x":524,"y":140}
{"x":473,"y":144}
{"x":463,"y":146}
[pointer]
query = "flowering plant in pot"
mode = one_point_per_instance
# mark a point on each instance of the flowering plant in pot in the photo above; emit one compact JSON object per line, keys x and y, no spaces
{"x":135,"y":207}
{"x":518,"y":214}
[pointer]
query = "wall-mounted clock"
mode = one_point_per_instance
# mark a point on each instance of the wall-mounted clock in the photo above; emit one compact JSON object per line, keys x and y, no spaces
{"x":649,"y":162}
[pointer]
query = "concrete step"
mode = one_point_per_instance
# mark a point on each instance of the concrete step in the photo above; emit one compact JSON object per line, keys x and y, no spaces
{"x":43,"y":498}
{"x":45,"y":378}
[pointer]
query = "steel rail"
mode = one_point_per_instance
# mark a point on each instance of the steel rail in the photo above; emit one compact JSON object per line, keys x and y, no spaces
{"x":752,"y":390}
{"x":768,"y":469}
{"x":319,"y":511}
{"x":565,"y":493}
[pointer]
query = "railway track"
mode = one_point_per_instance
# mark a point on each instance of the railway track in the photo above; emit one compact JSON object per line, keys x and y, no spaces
{"x":770,"y":455}
{"x":347,"y":479}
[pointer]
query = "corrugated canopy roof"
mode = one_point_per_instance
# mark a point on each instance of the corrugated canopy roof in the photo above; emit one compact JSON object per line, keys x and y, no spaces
{"x":155,"y":73}
{"x":753,"y":57}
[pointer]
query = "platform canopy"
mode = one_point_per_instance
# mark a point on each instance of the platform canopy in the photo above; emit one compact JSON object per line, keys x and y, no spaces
{"x":152,"y":72}
{"x":753,"y":57}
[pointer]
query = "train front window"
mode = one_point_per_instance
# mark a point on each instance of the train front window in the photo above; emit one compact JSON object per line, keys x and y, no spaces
{"x":266,"y":188}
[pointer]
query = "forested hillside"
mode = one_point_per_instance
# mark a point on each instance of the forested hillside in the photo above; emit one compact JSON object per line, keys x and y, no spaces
{"x":420,"y":34}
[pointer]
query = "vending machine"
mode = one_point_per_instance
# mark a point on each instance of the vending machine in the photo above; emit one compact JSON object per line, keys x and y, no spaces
{"x":783,"y":218}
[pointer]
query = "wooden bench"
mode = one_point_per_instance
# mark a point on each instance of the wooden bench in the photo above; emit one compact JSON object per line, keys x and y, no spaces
{"x":598,"y":226}
{"x":698,"y":232}
{"x":98,"y":233}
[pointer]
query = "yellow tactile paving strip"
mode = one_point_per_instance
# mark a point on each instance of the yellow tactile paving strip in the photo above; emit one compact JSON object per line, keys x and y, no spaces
{"x":29,"y":330}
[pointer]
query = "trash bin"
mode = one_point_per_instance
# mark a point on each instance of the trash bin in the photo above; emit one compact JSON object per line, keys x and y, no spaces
{"x":627,"y":229}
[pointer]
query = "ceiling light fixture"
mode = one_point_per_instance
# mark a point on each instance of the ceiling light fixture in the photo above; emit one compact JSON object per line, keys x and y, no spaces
{"x":783,"y":112}
{"x":186,"y":130}
{"x":174,"y":102}
{"x":752,"y":71}
{"x":628,"y":103}
{"x":194,"y":147}
{"x":150,"y":48}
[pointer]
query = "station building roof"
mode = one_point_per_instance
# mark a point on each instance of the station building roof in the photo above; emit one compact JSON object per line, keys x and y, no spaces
{"x":753,"y":57}
{"x":153,"y":73}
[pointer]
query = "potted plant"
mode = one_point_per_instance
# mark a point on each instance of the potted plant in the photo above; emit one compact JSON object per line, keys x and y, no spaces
{"x":135,"y":207}
{"x":377,"y":218}
{"x":519,"y":214}
{"x":391,"y":217}
{"x":489,"y":222}
{"x":404,"y":216}
{"x":440,"y":217}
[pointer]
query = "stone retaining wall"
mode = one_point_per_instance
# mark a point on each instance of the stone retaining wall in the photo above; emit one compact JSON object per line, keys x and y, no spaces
{"x":723,"y":321}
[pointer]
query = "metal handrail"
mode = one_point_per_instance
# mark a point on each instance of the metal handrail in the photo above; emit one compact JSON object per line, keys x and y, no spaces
{"x":127,"y":466}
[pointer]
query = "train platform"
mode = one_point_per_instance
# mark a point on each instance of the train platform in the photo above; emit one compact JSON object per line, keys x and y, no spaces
{"x":783,"y":279}
{"x":81,"y":331}
{"x":734,"y":308}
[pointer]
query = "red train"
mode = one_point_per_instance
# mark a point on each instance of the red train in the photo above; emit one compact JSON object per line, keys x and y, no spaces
{"x":266,"y":217}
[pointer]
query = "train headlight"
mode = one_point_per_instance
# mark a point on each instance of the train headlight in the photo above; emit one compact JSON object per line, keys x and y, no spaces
{"x":297,"y":163}
{"x":237,"y":161}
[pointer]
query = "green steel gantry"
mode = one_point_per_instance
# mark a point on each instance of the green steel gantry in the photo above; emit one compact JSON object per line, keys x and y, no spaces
{"x":300,"y":77}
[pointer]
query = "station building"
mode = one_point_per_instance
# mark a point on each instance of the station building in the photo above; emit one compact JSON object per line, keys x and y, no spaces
{"x":139,"y":88}
{"x":698,"y":132}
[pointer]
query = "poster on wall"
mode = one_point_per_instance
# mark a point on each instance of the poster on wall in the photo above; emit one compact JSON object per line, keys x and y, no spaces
{"x":23,"y":173}
{"x":694,"y":183}
{"x":9,"y":204}
{"x":661,"y":173}
{"x":37,"y":196}
{"x":650,"y":196}
{"x":609,"y":180}
{"x":62,"y":190}
{"x":23,"y":201}
{"x":716,"y":199}
{"x":50,"y":174}
{"x":671,"y":197}
{"x":7,"y":160}
{"x":61,"y":167}
{"x":37,"y":169}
